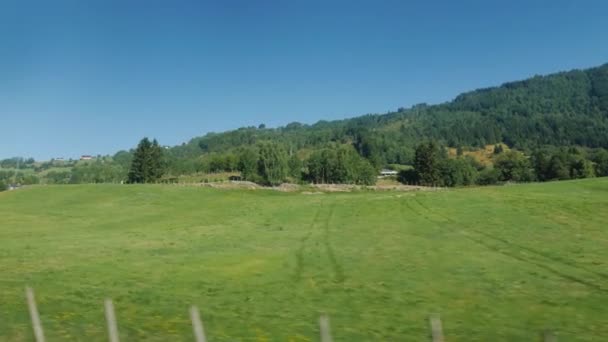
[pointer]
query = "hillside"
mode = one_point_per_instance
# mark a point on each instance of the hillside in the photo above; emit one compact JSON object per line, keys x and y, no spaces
{"x":498,"y":263}
{"x":563,"y":109}
{"x":559,"y":122}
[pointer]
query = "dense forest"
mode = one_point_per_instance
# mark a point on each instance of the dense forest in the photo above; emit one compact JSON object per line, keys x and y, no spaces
{"x":553,"y":127}
{"x":564,"y":109}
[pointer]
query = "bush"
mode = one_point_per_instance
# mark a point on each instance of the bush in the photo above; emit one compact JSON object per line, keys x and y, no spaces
{"x":514,"y":166}
{"x":488,"y":176}
{"x":365,"y":173}
{"x":409,"y":176}
{"x":457,"y":172}
{"x":601,"y":163}
{"x":3,"y":186}
{"x":272,"y":163}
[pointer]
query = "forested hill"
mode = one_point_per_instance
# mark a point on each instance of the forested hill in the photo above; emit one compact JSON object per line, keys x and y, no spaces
{"x":559,"y":122}
{"x":563,"y":109}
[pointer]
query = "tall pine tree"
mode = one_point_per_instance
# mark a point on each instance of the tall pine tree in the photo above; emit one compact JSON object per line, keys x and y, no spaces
{"x":426,"y":163}
{"x":147,"y":165}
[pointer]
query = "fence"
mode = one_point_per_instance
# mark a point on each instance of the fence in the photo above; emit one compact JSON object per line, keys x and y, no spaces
{"x":199,"y":332}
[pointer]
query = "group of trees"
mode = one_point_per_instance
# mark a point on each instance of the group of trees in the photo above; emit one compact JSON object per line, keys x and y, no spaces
{"x":17,"y":163}
{"x":100,"y":170}
{"x":433,"y":167}
{"x":146,"y":164}
{"x":268,"y":163}
{"x":265,"y":163}
{"x":569,"y":163}
{"x":17,"y":171}
{"x":26,"y":177}
{"x":340,"y":165}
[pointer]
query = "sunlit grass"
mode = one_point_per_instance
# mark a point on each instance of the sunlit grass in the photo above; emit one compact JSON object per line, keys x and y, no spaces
{"x":498,"y":263}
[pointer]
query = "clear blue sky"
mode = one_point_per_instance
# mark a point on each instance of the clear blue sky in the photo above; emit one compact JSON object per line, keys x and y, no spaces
{"x":93,"y":77}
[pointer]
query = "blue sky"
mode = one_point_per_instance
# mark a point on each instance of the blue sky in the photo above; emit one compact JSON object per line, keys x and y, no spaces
{"x":93,"y":77}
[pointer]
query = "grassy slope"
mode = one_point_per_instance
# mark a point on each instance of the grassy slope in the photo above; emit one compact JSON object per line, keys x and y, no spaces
{"x":499,"y":263}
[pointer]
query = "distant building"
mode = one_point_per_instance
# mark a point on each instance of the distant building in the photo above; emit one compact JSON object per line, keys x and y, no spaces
{"x":86,"y":157}
{"x":386,"y":173}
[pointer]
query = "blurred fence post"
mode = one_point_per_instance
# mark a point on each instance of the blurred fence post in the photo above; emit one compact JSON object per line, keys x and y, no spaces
{"x":324,"y":328}
{"x":197,"y":325}
{"x":36,"y":325}
{"x":436,"y":328}
{"x":111,"y":320}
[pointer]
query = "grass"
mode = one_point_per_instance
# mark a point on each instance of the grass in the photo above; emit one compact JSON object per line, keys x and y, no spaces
{"x":498,"y":263}
{"x":207,"y":177}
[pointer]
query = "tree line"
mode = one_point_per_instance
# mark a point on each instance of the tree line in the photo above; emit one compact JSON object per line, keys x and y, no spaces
{"x":433,"y":167}
{"x":271,"y":163}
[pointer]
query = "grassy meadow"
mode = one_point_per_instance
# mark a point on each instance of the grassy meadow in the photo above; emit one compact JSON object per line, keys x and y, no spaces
{"x":498,"y":263}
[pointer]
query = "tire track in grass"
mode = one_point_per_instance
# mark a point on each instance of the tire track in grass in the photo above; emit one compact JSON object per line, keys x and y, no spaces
{"x":321,"y":224}
{"x":300,"y":262}
{"x":555,"y":259}
{"x":411,"y":208}
{"x":336,"y":267}
{"x":494,"y":248}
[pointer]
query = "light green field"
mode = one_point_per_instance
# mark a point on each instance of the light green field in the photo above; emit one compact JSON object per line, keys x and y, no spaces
{"x":498,"y":263}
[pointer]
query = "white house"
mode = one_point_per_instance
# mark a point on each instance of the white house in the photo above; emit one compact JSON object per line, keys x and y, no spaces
{"x":386,"y":173}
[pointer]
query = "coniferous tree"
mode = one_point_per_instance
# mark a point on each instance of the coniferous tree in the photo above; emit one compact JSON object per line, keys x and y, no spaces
{"x":147,"y":163}
{"x":157,"y":162}
{"x":426,"y":163}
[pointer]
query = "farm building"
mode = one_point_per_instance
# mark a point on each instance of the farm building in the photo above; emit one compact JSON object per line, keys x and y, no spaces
{"x":386,"y":173}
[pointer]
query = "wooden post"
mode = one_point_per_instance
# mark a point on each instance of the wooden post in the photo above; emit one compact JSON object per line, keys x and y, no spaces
{"x":549,"y":336}
{"x":436,"y":328}
{"x":197,"y":325}
{"x":36,"y":325}
{"x":111,"y":320}
{"x":324,"y":328}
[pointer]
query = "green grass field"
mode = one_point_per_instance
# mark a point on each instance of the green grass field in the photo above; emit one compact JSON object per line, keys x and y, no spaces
{"x":498,"y":263}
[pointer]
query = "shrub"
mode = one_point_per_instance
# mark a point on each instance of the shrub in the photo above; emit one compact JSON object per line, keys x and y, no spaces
{"x":488,"y":176}
{"x":409,"y":176}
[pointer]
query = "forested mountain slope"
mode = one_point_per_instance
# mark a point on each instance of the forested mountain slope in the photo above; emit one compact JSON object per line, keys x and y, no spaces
{"x":559,"y":122}
{"x":563,"y":109}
